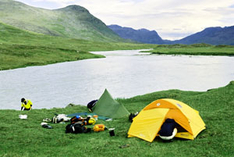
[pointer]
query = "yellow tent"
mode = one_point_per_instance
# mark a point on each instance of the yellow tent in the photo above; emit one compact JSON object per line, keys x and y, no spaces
{"x":148,"y":122}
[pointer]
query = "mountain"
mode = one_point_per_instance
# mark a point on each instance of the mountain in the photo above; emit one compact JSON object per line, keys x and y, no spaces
{"x":72,"y":21}
{"x":76,"y":22}
{"x":141,"y":35}
{"x":211,"y":35}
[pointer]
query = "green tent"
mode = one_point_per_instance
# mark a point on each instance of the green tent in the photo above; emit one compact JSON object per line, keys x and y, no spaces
{"x":107,"y":106}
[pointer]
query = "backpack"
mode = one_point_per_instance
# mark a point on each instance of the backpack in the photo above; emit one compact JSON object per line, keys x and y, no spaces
{"x":91,"y":104}
{"x":77,"y":128}
{"x":131,"y":116}
{"x":78,"y":118}
{"x":84,"y":121}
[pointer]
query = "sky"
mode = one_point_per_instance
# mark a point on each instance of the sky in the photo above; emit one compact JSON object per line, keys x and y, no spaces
{"x":171,"y":19}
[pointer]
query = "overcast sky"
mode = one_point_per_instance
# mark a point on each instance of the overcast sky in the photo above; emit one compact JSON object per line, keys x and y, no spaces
{"x":172,"y":19}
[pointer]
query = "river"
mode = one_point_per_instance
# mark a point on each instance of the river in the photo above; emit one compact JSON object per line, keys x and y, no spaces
{"x":124,"y":73}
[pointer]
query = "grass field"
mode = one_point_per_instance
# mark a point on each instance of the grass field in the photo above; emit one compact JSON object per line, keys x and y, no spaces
{"x":194,"y":49}
{"x":20,"y":48}
{"x":20,"y":138}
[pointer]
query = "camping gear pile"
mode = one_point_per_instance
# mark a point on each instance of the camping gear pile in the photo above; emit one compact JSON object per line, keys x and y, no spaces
{"x":166,"y":118}
{"x":78,"y":124}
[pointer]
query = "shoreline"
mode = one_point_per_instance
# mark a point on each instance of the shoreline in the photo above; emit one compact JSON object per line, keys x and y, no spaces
{"x":121,"y":99}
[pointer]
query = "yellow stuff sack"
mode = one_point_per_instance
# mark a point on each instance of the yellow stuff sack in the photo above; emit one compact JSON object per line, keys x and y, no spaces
{"x":99,"y":127}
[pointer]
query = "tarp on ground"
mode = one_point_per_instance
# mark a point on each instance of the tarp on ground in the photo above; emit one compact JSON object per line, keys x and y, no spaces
{"x":87,"y":114}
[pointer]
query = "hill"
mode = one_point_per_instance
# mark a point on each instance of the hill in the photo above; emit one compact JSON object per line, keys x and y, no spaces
{"x":21,"y":48}
{"x":211,"y":35}
{"x":72,"y":21}
{"x":141,"y":35}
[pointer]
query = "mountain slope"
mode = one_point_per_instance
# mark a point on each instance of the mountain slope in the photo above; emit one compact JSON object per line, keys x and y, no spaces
{"x":20,"y":48}
{"x":212,"y":35}
{"x":72,"y":21}
{"x":141,"y":35}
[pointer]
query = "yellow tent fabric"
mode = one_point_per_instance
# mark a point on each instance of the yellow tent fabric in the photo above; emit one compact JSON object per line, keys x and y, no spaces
{"x":148,"y":122}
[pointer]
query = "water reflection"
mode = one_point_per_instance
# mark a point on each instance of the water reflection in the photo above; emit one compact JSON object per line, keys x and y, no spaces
{"x":123,"y":73}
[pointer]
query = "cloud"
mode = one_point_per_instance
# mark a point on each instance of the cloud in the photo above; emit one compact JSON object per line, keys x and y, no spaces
{"x":164,"y":15}
{"x":232,"y":6}
{"x":174,"y":35}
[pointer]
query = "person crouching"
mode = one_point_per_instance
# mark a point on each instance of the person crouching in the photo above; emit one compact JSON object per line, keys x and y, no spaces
{"x":26,"y":104}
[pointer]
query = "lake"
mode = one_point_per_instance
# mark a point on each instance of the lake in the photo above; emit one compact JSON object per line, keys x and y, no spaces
{"x":124,"y":73}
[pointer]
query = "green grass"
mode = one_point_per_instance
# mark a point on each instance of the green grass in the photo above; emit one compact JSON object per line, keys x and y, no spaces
{"x":20,"y":48}
{"x":72,"y":21}
{"x":194,"y":49}
{"x":28,"y":138}
{"x":15,"y":56}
